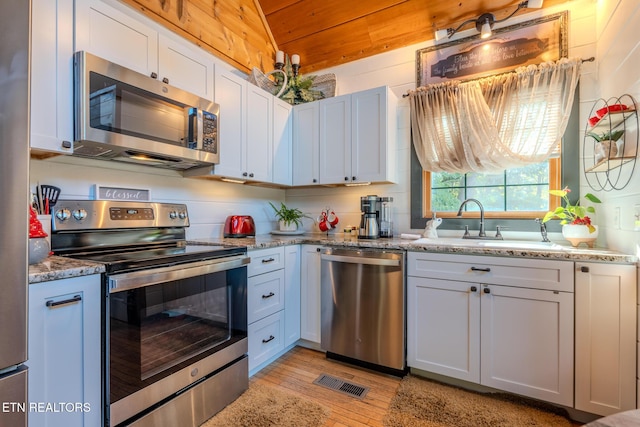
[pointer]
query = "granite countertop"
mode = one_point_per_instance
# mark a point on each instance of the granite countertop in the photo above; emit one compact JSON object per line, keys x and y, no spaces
{"x":55,"y":267}
{"x":444,"y":245}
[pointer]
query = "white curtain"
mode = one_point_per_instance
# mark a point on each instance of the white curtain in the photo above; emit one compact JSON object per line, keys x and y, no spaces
{"x":494,"y":123}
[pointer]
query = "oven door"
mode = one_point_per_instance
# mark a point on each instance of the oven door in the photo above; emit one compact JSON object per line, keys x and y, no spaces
{"x":171,"y":327}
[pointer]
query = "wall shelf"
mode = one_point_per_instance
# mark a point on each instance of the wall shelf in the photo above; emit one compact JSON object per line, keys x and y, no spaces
{"x":614,"y":171}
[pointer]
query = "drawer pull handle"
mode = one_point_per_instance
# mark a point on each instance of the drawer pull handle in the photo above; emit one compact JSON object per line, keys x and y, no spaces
{"x":269,"y":295}
{"x":271,"y":338}
{"x":584,"y":269}
{"x":268,"y":260}
{"x":486,"y":270}
{"x":487,"y":290}
{"x":474,"y":289}
{"x":55,"y":304}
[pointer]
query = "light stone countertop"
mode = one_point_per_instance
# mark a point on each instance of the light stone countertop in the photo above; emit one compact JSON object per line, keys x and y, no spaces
{"x":55,"y":267}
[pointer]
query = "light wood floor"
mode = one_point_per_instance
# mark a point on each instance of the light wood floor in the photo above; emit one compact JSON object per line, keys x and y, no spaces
{"x":295,"y":372}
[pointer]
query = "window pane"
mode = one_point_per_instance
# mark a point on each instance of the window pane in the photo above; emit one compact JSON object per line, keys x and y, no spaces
{"x":532,"y":174}
{"x":528,"y":198}
{"x":483,"y":179}
{"x":446,"y":199}
{"x":447,"y":179}
{"x":492,"y":198}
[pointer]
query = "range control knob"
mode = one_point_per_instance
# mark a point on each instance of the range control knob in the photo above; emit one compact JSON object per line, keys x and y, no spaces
{"x":173,"y":214}
{"x":182,"y":215}
{"x":79,"y":214}
{"x":63,"y":214}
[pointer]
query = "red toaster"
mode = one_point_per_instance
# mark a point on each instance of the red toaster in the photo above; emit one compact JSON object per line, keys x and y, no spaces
{"x":239,"y":226}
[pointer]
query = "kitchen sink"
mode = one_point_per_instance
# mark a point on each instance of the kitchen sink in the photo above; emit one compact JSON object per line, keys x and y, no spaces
{"x":497,"y":244}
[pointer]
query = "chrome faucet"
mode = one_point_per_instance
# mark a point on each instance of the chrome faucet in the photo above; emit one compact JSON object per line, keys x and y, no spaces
{"x":543,"y":230}
{"x":482,"y":232}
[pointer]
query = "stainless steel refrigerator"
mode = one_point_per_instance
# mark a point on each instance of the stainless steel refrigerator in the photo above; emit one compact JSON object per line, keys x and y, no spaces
{"x":14,"y":199}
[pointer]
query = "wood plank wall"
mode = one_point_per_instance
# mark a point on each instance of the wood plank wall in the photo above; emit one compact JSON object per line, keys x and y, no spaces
{"x":232,"y":30}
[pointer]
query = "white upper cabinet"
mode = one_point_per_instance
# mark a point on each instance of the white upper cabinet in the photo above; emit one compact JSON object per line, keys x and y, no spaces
{"x":282,"y":142}
{"x":245,"y":128}
{"x":347,"y":139}
{"x":335,"y":140}
{"x":119,"y":37}
{"x":188,"y":69}
{"x":52,"y":76}
{"x":306,"y":144}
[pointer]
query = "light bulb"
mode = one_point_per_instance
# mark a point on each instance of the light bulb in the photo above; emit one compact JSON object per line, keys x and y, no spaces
{"x":486,"y":30}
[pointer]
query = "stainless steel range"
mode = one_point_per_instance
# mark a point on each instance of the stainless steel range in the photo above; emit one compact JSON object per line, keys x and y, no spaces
{"x":175,"y":317}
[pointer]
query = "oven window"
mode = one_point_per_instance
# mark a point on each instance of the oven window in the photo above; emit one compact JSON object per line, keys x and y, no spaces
{"x":156,"y":330}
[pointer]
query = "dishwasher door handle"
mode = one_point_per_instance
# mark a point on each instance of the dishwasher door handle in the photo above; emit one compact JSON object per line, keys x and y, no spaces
{"x":361,"y":260}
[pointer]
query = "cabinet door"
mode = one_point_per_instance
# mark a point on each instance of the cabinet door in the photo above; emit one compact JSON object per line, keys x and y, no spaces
{"x":282,"y":142}
{"x":443,"y":327}
{"x":291,"y":294}
{"x":306,"y":144}
{"x":527,"y":342}
{"x":52,"y":75}
{"x":605,"y":337}
{"x":230,"y":93}
{"x":64,"y":350}
{"x":186,"y":68}
{"x":310,"y":294}
{"x":259,"y":154}
{"x":373,"y":133}
{"x":116,"y":36}
{"x":335,"y":140}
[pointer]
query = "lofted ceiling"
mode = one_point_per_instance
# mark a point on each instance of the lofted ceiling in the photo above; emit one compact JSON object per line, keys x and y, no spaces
{"x":332,"y":32}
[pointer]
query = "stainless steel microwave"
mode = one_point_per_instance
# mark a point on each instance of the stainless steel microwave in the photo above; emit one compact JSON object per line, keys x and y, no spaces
{"x":126,"y":116}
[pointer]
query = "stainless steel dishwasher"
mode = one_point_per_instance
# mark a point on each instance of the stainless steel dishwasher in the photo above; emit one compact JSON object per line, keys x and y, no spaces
{"x":363,"y":306}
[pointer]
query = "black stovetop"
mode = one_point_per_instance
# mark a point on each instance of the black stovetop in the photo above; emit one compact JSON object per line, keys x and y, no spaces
{"x":130,"y":259}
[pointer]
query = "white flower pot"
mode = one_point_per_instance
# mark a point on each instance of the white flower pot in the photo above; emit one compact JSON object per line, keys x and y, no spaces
{"x":292,"y":226}
{"x":577,"y":234}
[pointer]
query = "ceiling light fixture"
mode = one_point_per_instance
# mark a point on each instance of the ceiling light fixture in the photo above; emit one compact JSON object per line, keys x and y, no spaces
{"x":485,"y":22}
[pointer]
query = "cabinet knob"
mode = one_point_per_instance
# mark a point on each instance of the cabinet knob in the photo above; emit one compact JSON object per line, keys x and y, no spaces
{"x":353,"y":178}
{"x":486,"y":290}
{"x":154,"y":75}
{"x":315,"y":180}
{"x":244,"y":174}
{"x":346,"y":178}
{"x":251,"y":175}
{"x":165,"y":80}
{"x":474,"y":289}
{"x":584,"y":269}
{"x":66,"y":144}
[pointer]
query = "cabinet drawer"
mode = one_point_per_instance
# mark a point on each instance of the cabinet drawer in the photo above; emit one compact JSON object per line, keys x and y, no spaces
{"x":525,"y":273}
{"x":265,"y":260}
{"x":266,"y":339}
{"x":265,"y":294}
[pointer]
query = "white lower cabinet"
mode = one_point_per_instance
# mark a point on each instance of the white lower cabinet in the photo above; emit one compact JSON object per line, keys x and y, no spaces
{"x":605,"y":337}
{"x":310,"y":294}
{"x":273,"y":299}
{"x":501,"y":322}
{"x":64,"y":352}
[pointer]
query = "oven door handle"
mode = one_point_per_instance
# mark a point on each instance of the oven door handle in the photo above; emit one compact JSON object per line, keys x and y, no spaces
{"x":139,"y":279}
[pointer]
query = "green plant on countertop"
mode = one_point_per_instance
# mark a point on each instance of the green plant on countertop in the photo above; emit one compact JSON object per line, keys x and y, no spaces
{"x":289,"y":215}
{"x":572,"y":214}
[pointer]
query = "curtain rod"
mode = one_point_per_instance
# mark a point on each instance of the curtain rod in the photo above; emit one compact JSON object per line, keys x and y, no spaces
{"x":591,"y":59}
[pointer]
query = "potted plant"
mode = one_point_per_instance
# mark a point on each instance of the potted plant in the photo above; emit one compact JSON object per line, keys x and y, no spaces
{"x":290,"y":218}
{"x":607,"y":147}
{"x":576,"y":224}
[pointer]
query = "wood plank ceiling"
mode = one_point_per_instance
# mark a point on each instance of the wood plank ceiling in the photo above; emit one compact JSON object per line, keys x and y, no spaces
{"x":325,"y":33}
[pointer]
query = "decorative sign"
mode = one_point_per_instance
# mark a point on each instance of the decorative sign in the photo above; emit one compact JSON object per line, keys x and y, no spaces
{"x":118,"y":193}
{"x":530,"y":42}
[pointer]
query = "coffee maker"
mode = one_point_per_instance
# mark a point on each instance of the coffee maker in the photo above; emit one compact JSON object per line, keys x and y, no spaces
{"x":376,"y":219}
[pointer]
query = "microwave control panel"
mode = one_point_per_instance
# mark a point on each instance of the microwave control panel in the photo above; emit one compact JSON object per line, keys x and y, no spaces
{"x":209,"y":132}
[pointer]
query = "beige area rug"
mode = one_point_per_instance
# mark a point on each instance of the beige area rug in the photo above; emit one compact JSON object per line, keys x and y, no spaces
{"x":425,"y":403}
{"x":264,"y":406}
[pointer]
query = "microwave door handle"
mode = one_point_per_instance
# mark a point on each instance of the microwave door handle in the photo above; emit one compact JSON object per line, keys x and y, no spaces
{"x":200,"y":137}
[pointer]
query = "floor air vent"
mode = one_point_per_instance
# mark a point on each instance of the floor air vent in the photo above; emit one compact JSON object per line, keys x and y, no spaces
{"x":350,"y":389}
